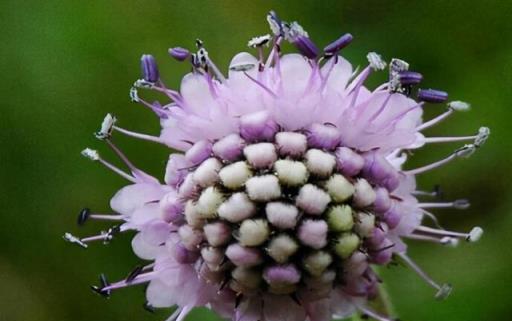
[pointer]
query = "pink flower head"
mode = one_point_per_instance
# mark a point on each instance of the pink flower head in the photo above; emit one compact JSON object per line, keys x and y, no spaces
{"x":289,"y":188}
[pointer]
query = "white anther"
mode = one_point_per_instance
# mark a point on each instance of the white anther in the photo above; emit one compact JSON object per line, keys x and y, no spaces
{"x":106,"y":127}
{"x":444,"y":292}
{"x":134,"y":95}
{"x":483,"y":134}
{"x":339,"y":188}
{"x":319,"y":162}
{"x":274,"y":24}
{"x":207,"y":173}
{"x":475,"y":234}
{"x":143,"y":83}
{"x":281,"y":248}
{"x":236,"y":208}
{"x":261,"y":155}
{"x":449,"y":241}
{"x":461,"y":204}
{"x":465,"y":151}
{"x":208,"y":202}
{"x":259,"y":41}
{"x":235,"y":175}
{"x":376,"y":62}
{"x":253,"y":232}
{"x":263,"y":188}
{"x":293,"y":31}
{"x":73,"y":239}
{"x":91,"y":154}
{"x":282,"y":215}
{"x":459,"y":105}
{"x":312,"y":199}
{"x":291,"y":173}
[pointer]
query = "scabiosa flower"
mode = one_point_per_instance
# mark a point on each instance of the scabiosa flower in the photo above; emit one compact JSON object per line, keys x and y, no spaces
{"x":289,"y":189}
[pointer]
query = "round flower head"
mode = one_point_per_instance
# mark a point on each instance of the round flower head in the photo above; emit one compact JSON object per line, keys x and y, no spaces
{"x":288,"y":187}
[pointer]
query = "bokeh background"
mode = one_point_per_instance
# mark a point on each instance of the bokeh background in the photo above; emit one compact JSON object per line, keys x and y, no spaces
{"x":64,"y":64}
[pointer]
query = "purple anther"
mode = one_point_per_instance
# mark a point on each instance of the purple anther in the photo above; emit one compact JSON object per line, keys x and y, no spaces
{"x":410,"y":77}
{"x":306,"y":46}
{"x":432,"y":96}
{"x":149,"y":68}
{"x":179,"y":53}
{"x":338,"y":44}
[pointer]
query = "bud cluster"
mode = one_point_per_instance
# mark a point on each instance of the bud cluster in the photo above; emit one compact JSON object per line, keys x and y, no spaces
{"x":283,"y":211}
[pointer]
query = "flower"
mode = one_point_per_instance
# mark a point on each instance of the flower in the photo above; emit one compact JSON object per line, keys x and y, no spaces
{"x":289,"y":188}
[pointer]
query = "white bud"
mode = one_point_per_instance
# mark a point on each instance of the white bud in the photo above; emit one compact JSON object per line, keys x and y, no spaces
{"x":376,"y":62}
{"x":317,"y":262}
{"x":282,"y":215}
{"x":235,"y":175}
{"x":291,"y":173}
{"x":346,"y":244}
{"x":339,"y":218}
{"x":207,"y":173}
{"x":192,"y":215}
{"x":91,"y":154}
{"x":263,"y":188}
{"x":364,"y":194}
{"x":312,"y":199}
{"x":261,"y":155}
{"x":459,"y":105}
{"x":253,"y":232}
{"x":319,"y":162}
{"x":237,"y":208}
{"x":209,"y":201}
{"x":281,"y":248}
{"x":339,"y":188}
{"x":365,"y":224}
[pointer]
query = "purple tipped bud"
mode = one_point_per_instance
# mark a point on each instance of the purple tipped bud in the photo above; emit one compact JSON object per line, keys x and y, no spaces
{"x":356,"y":265}
{"x":377,"y":237}
{"x":184,"y":256}
{"x":229,"y":148}
{"x":306,"y":46}
{"x":179,"y":53}
{"x":257,"y":126}
{"x":176,"y":170}
{"x":338,"y":44}
{"x":382,"y":201}
{"x":392,"y":216}
{"x":383,"y":255}
{"x":281,"y":274}
{"x":217,"y":233}
{"x":323,"y":136}
{"x":190,"y":237}
{"x":349,"y":162}
{"x":432,"y":96}
{"x":199,"y":152}
{"x":171,"y":208}
{"x":243,"y":256}
{"x":149,"y":68}
{"x":313,"y":233}
{"x":379,"y":171}
{"x":410,"y":77}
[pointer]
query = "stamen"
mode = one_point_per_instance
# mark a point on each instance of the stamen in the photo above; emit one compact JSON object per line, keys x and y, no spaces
{"x":473,"y":236}
{"x":73,"y":239}
{"x":94,"y":156}
{"x":85,"y":214}
{"x":260,"y":41}
{"x":150,"y":138}
{"x":465,"y":151}
{"x":396,"y":67}
{"x":436,"y":120}
{"x":139,"y":279}
{"x":376,"y":62}
{"x":461,"y":204}
{"x":443,"y":291}
{"x":480,"y":138}
{"x":203,"y":55}
{"x":448,"y":241}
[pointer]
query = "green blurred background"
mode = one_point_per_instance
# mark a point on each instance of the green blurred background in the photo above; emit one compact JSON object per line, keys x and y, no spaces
{"x":64,"y":64}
